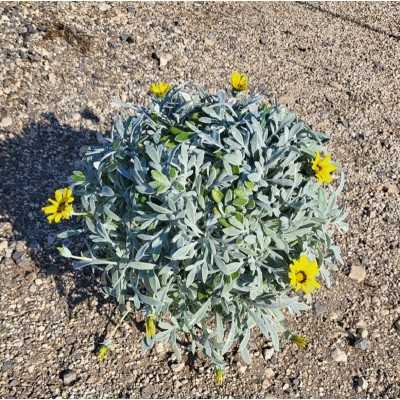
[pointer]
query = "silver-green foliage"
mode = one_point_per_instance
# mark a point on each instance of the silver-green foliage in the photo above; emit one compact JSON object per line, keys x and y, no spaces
{"x":194,"y":208}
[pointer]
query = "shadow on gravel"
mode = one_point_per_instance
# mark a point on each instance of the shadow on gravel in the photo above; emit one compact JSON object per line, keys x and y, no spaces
{"x":32,"y":166}
{"x":346,"y":18}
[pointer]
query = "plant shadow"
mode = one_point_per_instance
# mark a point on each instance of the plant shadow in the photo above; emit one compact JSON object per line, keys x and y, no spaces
{"x":32,"y":165}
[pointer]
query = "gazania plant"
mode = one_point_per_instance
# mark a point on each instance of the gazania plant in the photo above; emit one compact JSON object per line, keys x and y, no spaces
{"x":212,"y":214}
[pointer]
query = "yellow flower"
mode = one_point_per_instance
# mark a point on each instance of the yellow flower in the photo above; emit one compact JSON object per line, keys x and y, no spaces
{"x":150,"y":326}
{"x":60,"y":207}
{"x":102,"y":353}
{"x":323,"y":167}
{"x":300,"y":341}
{"x":219,"y":376}
{"x":239,"y":81}
{"x":159,"y":89}
{"x":302,"y":274}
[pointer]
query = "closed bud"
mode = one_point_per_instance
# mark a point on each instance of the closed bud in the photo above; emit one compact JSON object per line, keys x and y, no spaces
{"x":150,"y":326}
{"x":102,"y":353}
{"x":219,"y":376}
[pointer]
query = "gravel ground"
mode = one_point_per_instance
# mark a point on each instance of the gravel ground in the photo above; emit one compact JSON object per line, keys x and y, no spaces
{"x":61,"y":65}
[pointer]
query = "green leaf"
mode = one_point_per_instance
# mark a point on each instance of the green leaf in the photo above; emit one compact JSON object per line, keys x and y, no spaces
{"x":141,"y":265}
{"x":224,"y":222}
{"x":217,"y":195}
{"x":78,"y":176}
{"x":160,"y":178}
{"x":249,"y":185}
{"x":173,"y":172}
{"x":184,"y":252}
{"x":183,"y":136}
{"x":64,"y":251}
{"x":240,"y":202}
{"x":235,"y":170}
{"x":243,"y":348}
{"x":173,"y":130}
{"x":199,"y":315}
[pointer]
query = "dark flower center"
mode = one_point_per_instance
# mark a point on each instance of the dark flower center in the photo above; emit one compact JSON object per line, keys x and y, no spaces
{"x":61,"y":207}
{"x":301,"y":277}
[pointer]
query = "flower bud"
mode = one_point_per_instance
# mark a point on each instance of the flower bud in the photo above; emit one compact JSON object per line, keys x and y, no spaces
{"x":150,"y":326}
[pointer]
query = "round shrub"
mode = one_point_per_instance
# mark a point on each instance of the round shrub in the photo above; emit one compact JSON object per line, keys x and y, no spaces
{"x":208,"y":212}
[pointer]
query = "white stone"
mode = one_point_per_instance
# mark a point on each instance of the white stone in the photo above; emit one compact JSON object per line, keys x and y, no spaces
{"x":285,"y":387}
{"x":361,"y":324}
{"x":392,"y":188}
{"x":51,"y":77}
{"x":5,"y":122}
{"x":357,"y":273}
{"x":178,"y":367}
{"x":3,"y":246}
{"x":268,"y":353}
{"x":210,"y":40}
{"x":165,"y":58}
{"x":269,"y":373}
{"x":76,"y":117}
{"x":339,"y":356}
{"x":268,"y":377}
{"x":363,"y":332}
{"x":103,"y":7}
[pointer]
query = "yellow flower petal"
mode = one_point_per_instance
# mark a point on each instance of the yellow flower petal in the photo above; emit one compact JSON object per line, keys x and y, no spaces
{"x":160,"y":89}
{"x":59,"y":194}
{"x":300,"y":341}
{"x":102,"y":353}
{"x":302,"y":274}
{"x":239,"y":81}
{"x":323,"y":167}
{"x":60,"y":207}
{"x":49,"y":209}
{"x":69,"y":198}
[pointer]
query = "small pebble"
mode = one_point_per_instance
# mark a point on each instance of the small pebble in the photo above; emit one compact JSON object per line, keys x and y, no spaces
{"x":165,"y":59}
{"x":103,"y":6}
{"x":3,"y":246}
{"x":361,"y":344}
{"x":361,"y":324}
{"x":339,"y":356}
{"x":360,"y":383}
{"x":269,"y":373}
{"x":320,"y":309}
{"x":391,"y":188}
{"x":268,"y":353}
{"x":5,"y":122}
{"x":178,"y":367}
{"x":76,"y":117}
{"x":362,"y":332}
{"x":162,"y":58}
{"x":52,"y":78}
{"x":357,"y":273}
{"x":334,"y":316}
{"x":210,"y":40}
{"x":127,"y":38}
{"x":397,"y":326}
{"x":69,"y":377}
{"x":285,"y":387}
